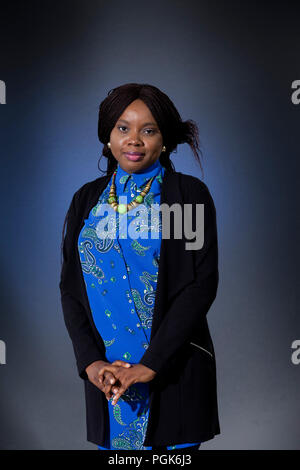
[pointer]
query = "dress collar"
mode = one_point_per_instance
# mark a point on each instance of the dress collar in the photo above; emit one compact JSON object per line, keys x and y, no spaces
{"x":139,"y":178}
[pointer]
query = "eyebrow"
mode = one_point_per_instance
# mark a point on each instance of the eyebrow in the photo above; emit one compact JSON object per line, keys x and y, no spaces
{"x":145,"y":123}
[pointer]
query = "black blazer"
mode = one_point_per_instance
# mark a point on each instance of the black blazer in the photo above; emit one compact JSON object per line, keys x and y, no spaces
{"x":183,"y":394}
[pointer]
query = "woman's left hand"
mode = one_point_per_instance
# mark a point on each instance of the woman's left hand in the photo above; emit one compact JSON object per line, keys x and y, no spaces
{"x":127,"y":376}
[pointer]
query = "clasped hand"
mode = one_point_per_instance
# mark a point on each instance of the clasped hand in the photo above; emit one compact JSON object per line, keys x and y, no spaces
{"x":119,"y":375}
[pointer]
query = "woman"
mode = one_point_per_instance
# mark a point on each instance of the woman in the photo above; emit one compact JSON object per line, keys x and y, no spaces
{"x":134,"y":300}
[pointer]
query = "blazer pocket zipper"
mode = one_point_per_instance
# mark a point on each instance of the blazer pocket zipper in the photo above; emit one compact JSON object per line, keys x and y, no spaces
{"x":200,"y":347}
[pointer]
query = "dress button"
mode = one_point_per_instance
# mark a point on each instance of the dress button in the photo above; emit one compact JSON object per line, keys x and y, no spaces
{"x":124,"y":277}
{"x":138,"y":325}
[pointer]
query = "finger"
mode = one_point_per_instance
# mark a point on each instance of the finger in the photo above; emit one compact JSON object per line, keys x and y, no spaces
{"x":113,"y":379}
{"x":109,"y":368}
{"x":104,"y":372}
{"x":109,"y":381}
{"x":109,"y":378}
{"x":109,"y":395}
{"x":111,"y":389}
{"x":104,"y":382}
{"x":115,"y":398}
{"x":119,"y":393}
{"x":119,"y":362}
{"x":104,"y":379}
{"x":108,"y":391}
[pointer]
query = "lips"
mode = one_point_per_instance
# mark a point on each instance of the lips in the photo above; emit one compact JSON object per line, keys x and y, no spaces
{"x":134,"y":156}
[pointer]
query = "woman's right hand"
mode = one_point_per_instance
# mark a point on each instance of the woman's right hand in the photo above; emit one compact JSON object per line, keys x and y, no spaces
{"x":109,"y":379}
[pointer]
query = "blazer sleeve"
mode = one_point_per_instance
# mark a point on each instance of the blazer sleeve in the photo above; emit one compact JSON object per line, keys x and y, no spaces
{"x":194,"y":301}
{"x":76,"y":320}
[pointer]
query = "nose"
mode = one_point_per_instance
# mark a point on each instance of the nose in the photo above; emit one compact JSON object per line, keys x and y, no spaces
{"x":134,"y":138}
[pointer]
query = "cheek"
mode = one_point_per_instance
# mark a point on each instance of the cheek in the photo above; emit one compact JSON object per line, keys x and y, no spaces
{"x":116,"y":136}
{"x":117,"y":142}
{"x":155,"y":147}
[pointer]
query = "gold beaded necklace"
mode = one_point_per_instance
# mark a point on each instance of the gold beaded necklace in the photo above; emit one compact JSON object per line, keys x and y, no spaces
{"x":122,"y":208}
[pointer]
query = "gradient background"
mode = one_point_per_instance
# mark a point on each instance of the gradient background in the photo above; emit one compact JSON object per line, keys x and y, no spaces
{"x":227,"y":65}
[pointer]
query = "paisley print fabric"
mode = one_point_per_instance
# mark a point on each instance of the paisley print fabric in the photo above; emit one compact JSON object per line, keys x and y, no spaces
{"x":119,"y":256}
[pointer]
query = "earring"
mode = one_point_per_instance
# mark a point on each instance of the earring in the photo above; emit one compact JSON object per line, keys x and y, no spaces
{"x":108,"y":145}
{"x":163,"y":149}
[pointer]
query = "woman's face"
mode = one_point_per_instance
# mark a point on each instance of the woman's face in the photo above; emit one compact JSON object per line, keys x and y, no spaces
{"x":136,"y":132}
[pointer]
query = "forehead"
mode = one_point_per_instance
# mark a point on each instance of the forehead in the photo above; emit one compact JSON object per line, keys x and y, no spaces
{"x":136,"y":111}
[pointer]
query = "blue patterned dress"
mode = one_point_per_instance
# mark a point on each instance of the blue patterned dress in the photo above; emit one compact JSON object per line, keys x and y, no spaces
{"x":119,"y":259}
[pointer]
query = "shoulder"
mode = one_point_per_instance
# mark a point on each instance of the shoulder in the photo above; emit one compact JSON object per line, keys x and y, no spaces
{"x":88,"y":189}
{"x":85,"y":193}
{"x":192,"y":181}
{"x":194,"y":189}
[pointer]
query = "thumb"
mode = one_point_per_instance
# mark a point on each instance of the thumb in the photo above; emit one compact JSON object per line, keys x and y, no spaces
{"x":119,"y":362}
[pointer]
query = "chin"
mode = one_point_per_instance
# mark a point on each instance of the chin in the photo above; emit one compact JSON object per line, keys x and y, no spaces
{"x":129,"y":163}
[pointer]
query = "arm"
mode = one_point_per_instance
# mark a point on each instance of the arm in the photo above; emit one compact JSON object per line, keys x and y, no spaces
{"x":193,"y":303}
{"x":76,"y":320}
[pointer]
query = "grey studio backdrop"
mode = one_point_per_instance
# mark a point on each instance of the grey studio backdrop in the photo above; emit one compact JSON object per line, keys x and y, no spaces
{"x":227,"y":65}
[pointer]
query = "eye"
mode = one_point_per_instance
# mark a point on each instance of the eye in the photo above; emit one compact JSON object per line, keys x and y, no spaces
{"x":148,"y":131}
{"x":120,"y":127}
